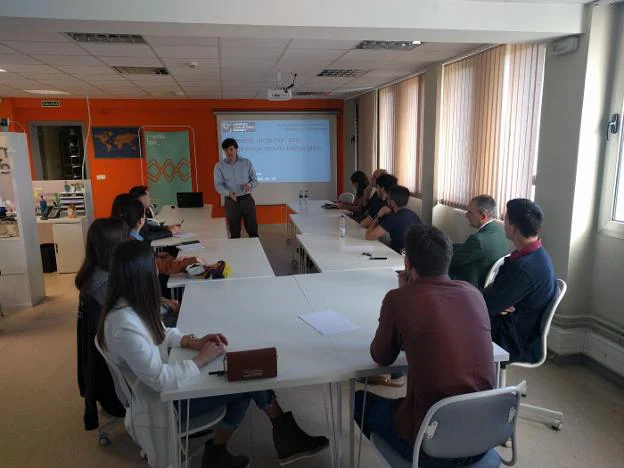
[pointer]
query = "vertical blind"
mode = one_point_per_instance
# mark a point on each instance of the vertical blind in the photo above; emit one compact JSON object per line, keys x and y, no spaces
{"x":490,"y":123}
{"x":400,"y":131}
{"x":366,"y":134}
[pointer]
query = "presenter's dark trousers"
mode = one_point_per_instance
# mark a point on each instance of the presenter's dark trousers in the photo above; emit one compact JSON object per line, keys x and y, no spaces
{"x":244,"y":207}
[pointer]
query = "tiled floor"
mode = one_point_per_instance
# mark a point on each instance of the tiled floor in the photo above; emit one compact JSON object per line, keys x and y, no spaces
{"x":41,"y":411}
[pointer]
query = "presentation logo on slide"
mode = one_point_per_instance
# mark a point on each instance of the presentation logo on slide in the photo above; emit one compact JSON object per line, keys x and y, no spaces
{"x":238,"y":126}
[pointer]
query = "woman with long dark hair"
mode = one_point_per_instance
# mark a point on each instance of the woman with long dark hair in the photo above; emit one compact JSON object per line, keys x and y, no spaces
{"x":94,"y":379}
{"x":132,"y":336}
{"x":360,"y":183}
{"x":132,"y":211}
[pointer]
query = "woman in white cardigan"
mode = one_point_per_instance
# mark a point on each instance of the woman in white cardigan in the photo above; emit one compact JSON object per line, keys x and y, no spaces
{"x":132,"y":335}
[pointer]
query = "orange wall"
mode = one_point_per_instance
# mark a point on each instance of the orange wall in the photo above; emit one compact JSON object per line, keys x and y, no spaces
{"x":121,"y":174}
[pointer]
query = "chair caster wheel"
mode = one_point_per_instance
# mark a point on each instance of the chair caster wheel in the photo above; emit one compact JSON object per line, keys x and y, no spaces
{"x":524,"y":394}
{"x":142,"y":454}
{"x":507,"y":443}
{"x":104,"y":440}
{"x":557,"y":426}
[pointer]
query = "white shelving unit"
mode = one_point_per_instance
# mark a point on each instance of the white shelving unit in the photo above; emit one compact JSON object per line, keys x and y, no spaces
{"x":21,"y":278}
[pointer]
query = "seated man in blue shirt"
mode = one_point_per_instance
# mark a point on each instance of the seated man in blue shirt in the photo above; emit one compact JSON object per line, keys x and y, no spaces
{"x":524,"y":287}
{"x":395,"y":224}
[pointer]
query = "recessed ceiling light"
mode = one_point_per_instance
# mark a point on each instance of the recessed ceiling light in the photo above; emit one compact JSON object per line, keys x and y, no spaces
{"x":2,"y":70}
{"x":388,"y":45}
{"x":45,"y":91}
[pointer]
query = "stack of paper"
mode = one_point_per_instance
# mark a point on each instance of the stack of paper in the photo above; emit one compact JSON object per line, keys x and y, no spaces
{"x":328,"y":322}
{"x":184,"y":235}
{"x":196,"y":247}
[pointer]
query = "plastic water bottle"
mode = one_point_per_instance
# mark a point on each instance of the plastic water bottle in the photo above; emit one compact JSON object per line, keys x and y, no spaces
{"x":305,"y":197}
{"x":342,"y":231}
{"x":300,"y":197}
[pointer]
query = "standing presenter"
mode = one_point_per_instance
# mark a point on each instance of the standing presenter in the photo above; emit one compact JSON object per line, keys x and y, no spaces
{"x":235,"y":178}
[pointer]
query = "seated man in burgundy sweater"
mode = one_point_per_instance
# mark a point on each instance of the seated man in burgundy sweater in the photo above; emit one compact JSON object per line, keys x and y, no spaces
{"x":444,"y":328}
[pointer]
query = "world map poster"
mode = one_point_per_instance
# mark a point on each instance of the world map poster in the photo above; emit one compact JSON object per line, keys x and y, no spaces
{"x":116,"y":142}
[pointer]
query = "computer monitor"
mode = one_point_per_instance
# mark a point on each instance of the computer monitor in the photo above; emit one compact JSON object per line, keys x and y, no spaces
{"x":190,"y":199}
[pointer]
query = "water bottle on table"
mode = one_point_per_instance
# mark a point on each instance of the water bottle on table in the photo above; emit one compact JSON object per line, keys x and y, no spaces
{"x":300,"y":197}
{"x":305,"y":197}
{"x":342,"y":231}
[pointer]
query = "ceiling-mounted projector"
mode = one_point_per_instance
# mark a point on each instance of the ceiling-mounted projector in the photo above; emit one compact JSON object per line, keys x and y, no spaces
{"x":279,"y":94}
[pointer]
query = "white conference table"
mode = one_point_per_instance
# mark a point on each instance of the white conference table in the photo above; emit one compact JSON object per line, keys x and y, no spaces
{"x":330,"y":253}
{"x":305,"y":357}
{"x":245,"y":256}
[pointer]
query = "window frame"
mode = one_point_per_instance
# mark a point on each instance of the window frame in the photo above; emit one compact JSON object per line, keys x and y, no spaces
{"x":614,"y":148}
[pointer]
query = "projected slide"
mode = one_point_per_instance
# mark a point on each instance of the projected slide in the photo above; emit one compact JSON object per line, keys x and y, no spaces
{"x":283,"y":150}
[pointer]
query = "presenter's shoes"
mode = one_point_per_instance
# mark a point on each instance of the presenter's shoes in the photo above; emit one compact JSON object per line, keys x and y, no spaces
{"x":384,"y":380}
{"x":292,"y":443}
{"x":217,"y":456}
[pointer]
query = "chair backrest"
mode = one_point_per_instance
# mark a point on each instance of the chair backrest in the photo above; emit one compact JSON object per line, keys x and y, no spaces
{"x":489,"y":279}
{"x":346,"y":197}
{"x":122,"y":387}
{"x":470,"y":424}
{"x":414,"y":204}
{"x":562,"y":287}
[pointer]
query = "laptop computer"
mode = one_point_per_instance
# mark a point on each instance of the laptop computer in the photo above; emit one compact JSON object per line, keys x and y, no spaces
{"x":190,"y":199}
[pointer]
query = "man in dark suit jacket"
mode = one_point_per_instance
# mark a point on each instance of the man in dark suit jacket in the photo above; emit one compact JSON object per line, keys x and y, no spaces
{"x":524,"y":287}
{"x":473,"y":259}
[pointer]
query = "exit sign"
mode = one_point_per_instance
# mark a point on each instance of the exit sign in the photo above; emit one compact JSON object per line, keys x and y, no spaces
{"x":50,"y":103}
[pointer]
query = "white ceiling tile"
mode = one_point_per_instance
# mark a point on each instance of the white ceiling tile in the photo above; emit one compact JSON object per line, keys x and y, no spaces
{"x":46,"y":48}
{"x":119,"y":86}
{"x":132,"y":61}
{"x":322,"y":44}
{"x":68,"y":59}
{"x":58,"y":79}
{"x":202,"y":95}
{"x":4,"y":50}
{"x":150,"y":78}
{"x":17,"y":59}
{"x":191,"y":74}
{"x":181,"y":40}
{"x":383,"y":73}
{"x":451,"y":47}
{"x":373,"y":55}
{"x":30,"y":35}
{"x":86,"y":69}
{"x":257,"y":53}
{"x":119,"y":50}
{"x":181,"y":62}
{"x":358,"y":64}
{"x":296,"y":66}
{"x":30,"y":68}
{"x":186,"y":51}
{"x":253,"y":42}
{"x":111,"y":77}
{"x":312,"y":54}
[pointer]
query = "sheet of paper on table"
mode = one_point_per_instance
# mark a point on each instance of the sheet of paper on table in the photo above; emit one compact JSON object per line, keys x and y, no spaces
{"x":328,"y":322}
{"x":184,"y":235}
{"x":197,"y":247}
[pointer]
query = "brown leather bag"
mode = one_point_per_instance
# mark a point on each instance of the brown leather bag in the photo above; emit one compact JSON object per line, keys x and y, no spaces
{"x":251,"y":364}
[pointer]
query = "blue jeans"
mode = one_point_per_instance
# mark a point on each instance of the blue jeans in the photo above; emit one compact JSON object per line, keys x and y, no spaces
{"x":379,"y":418}
{"x":236,"y":406}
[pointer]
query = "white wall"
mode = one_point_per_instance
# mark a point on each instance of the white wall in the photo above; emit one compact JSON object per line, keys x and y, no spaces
{"x":576,"y":88}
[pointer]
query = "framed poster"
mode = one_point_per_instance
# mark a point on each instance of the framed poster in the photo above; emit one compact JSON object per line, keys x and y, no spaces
{"x":116,"y":142}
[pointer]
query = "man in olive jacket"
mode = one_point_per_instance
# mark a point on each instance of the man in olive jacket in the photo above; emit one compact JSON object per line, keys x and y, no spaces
{"x":473,"y":259}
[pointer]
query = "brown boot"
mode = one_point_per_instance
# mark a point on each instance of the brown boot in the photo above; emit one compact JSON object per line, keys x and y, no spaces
{"x":217,"y":456}
{"x":291,"y":443}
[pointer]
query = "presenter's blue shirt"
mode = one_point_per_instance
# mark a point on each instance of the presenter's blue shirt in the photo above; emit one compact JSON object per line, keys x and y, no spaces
{"x":230,"y":177}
